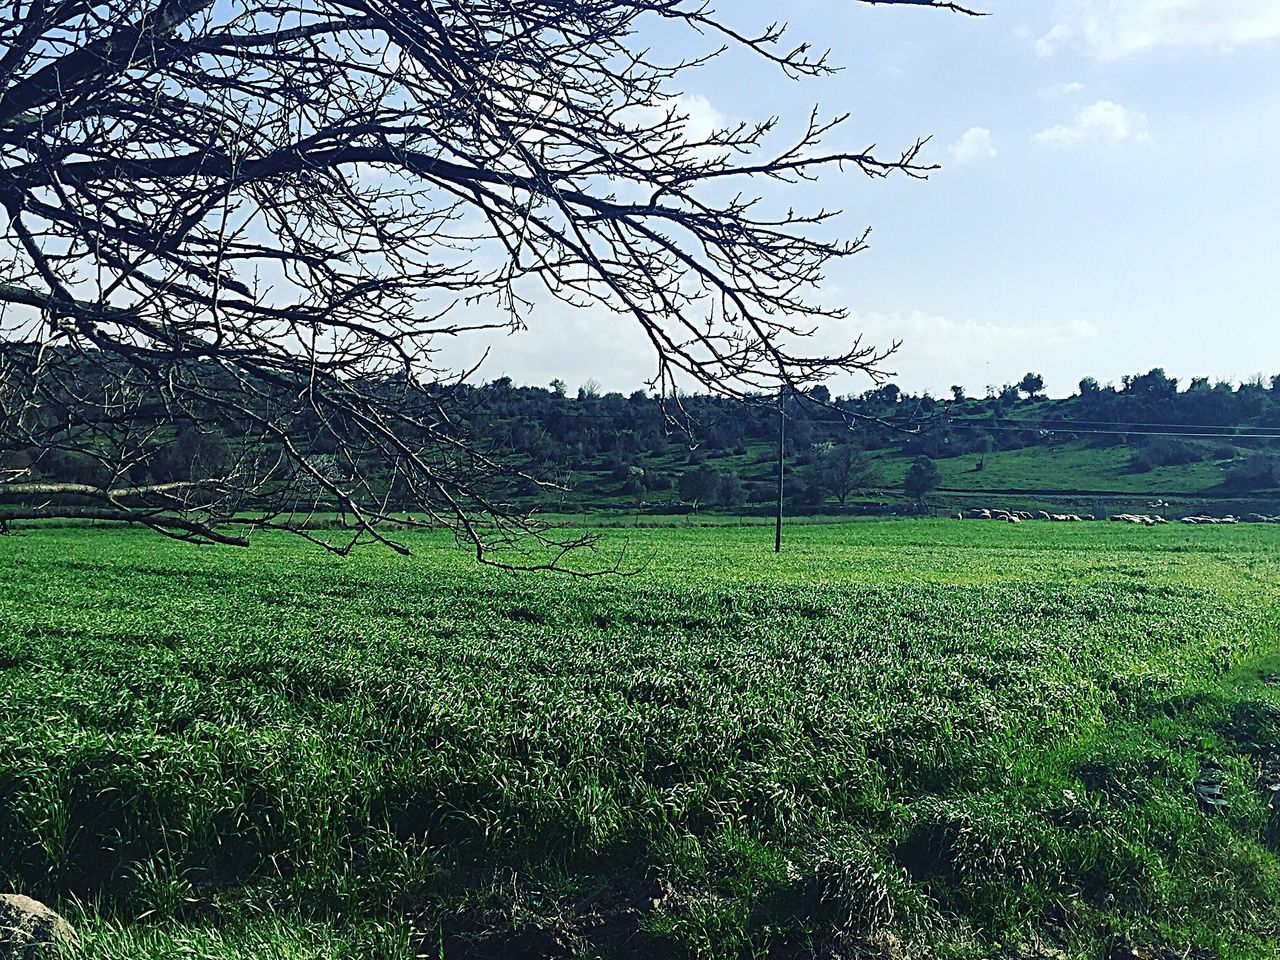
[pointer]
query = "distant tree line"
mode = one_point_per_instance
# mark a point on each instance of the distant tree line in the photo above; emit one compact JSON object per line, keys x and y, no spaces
{"x":568,"y":446}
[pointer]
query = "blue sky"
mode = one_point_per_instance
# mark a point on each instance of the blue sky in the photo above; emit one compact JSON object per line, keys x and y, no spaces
{"x":1109,"y":202}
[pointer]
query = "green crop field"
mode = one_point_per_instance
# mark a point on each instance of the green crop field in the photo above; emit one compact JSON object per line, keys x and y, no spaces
{"x":906,"y":738}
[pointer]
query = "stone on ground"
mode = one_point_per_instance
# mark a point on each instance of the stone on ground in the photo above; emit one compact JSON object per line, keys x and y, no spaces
{"x":31,"y":931}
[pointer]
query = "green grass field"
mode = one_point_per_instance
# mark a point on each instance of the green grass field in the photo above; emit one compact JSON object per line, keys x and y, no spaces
{"x":1058,"y":475}
{"x":1075,"y":466}
{"x":907,"y":738}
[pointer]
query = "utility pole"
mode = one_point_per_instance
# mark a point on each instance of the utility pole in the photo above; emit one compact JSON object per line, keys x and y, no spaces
{"x":782,"y":447}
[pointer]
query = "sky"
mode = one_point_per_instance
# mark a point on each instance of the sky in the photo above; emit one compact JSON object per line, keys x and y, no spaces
{"x":1109,"y":198}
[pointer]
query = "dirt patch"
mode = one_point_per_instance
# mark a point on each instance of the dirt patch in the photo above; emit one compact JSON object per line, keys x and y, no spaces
{"x":607,"y":920}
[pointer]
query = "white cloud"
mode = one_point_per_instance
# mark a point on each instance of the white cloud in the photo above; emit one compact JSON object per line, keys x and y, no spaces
{"x":938,"y":350}
{"x":944,"y":335}
{"x":1059,"y":90}
{"x":698,"y":116}
{"x":1101,"y":122}
{"x":975,"y":144}
{"x":933,"y":343}
{"x":1052,"y":41}
{"x":703,"y":118}
{"x":1111,"y":29}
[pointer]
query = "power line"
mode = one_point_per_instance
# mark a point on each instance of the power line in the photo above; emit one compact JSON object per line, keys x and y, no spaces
{"x":1134,"y":433}
{"x":900,"y":422}
{"x":1102,"y":423}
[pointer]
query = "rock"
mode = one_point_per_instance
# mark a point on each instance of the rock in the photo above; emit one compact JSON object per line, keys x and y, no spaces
{"x":31,"y":931}
{"x":1211,"y":788}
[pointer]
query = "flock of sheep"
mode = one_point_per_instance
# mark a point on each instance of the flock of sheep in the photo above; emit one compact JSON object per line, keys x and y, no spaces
{"x":1018,"y":516}
{"x":1141,"y":519}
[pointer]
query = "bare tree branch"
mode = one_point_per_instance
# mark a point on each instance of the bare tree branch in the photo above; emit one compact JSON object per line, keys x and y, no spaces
{"x":233,"y":234}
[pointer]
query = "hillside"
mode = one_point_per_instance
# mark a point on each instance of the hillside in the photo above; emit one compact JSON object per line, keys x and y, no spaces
{"x":1143,"y":442}
{"x":1199,"y":447}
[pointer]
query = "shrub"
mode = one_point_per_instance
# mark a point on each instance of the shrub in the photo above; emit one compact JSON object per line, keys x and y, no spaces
{"x":1164,"y":452}
{"x":1258,"y":472}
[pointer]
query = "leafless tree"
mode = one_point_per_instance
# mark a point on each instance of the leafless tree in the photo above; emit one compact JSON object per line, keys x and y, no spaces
{"x":845,"y":469}
{"x":235,"y":232}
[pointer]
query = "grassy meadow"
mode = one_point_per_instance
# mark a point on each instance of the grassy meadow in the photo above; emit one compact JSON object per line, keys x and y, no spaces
{"x":1064,"y":470}
{"x":901,"y":738}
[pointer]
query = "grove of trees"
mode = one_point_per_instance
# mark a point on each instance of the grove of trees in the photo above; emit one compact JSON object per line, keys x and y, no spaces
{"x":607,"y":448}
